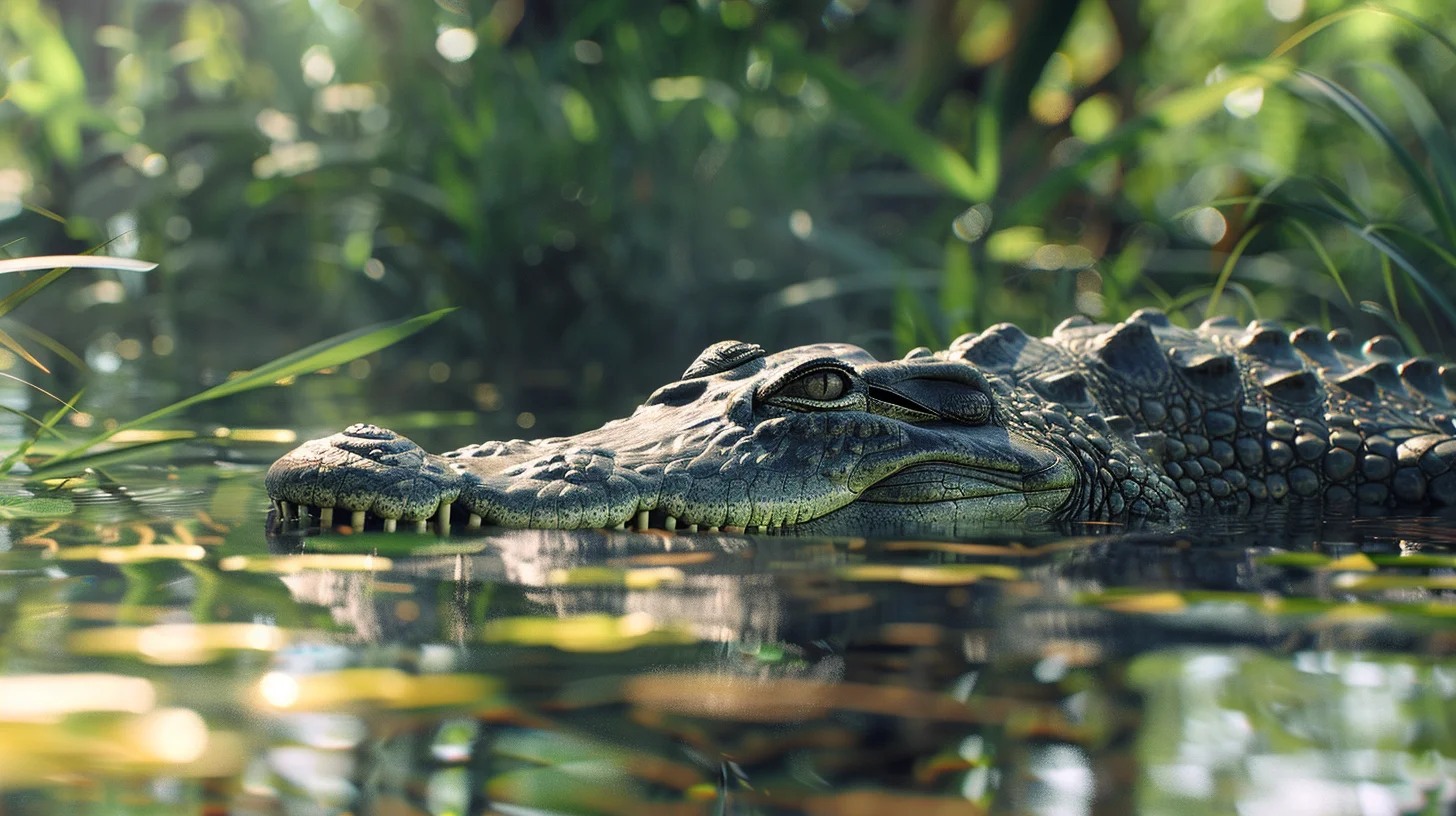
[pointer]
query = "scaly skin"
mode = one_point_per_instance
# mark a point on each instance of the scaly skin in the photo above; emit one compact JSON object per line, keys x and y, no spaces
{"x":1128,"y":422}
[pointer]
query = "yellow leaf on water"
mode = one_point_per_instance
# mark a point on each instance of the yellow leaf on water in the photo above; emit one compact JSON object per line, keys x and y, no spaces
{"x":1150,"y":603}
{"x":1355,"y":562}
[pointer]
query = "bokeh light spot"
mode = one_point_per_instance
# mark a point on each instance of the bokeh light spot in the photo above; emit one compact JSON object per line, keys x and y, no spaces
{"x":278,"y":689}
{"x":174,"y":735}
{"x":1244,"y":102}
{"x":971,"y":225}
{"x":456,"y":44}
{"x":318,"y":66}
{"x":1208,"y":225}
{"x":801,"y":224}
{"x":587,"y":52}
{"x":1285,"y":11}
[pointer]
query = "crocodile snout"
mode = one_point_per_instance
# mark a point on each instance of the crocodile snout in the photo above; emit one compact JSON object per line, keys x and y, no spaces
{"x":366,"y":469}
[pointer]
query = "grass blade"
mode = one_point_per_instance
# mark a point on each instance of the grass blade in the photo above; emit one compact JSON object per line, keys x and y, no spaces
{"x":1369,"y":8}
{"x":1389,"y":280}
{"x":894,"y":129}
{"x":48,"y":425}
{"x":11,"y":343}
{"x":1435,"y":248}
{"x":1376,"y":127}
{"x":332,"y":352}
{"x":1228,"y":269}
{"x":1397,"y":325}
{"x":52,"y":470}
{"x":1393,"y":252}
{"x":29,"y":384}
{"x":39,"y":262}
{"x":1433,"y":133}
{"x":1324,"y":256}
{"x":38,"y":423}
{"x":53,"y":345}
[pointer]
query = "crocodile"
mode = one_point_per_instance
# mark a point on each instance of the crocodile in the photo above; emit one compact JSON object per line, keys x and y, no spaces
{"x":1131,"y":422}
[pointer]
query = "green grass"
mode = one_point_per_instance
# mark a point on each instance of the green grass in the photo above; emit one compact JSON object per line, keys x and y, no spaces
{"x":329,"y":353}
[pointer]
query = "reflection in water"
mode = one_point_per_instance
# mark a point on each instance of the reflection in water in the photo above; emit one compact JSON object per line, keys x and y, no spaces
{"x":162,"y":654}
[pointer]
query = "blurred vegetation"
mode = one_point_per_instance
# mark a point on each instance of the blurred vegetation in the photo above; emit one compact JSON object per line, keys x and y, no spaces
{"x":605,"y":187}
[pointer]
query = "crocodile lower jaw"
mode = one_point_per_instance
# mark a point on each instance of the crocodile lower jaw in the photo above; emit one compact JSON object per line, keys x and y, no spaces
{"x":287,"y":515}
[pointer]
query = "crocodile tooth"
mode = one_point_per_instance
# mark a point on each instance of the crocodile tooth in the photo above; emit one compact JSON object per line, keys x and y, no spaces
{"x":642,"y":520}
{"x":303,"y":514}
{"x":356,"y":520}
{"x":442,"y":520}
{"x":326,"y":518}
{"x":277,"y":517}
{"x":692,"y":528}
{"x":621,"y":525}
{"x":713,"y":529}
{"x":285,"y":513}
{"x":670,"y":523}
{"x":762,"y":529}
{"x":390,"y":525}
{"x":422,"y":526}
{"x":474,"y":522}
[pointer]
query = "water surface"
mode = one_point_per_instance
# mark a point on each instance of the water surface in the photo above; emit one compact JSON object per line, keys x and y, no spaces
{"x":162,"y":652}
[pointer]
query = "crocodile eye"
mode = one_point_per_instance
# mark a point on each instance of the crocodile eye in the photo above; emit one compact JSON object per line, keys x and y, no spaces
{"x":819,"y":385}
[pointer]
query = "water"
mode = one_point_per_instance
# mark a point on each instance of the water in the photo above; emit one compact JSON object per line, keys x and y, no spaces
{"x":161,"y":652}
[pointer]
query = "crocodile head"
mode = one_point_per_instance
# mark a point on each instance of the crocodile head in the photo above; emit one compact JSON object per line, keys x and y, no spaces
{"x":821,"y":438}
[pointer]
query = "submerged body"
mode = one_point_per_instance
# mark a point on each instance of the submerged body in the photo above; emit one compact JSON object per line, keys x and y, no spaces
{"x":1139,"y":420}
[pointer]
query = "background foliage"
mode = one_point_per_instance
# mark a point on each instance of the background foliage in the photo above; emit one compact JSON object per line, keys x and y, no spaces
{"x":604,"y":187}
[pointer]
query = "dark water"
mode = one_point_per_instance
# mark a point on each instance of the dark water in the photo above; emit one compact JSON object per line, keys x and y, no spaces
{"x":161,"y":652}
